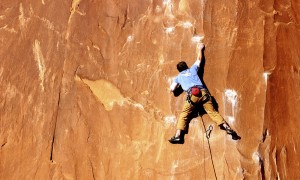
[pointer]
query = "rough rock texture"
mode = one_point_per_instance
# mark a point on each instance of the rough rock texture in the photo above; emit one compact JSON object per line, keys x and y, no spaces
{"x":84,"y":88}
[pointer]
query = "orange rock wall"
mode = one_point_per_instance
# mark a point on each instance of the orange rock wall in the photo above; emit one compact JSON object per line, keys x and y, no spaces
{"x":84,"y":89}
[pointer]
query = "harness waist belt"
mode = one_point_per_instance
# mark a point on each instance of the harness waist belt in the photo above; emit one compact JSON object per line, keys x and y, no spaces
{"x":202,"y":88}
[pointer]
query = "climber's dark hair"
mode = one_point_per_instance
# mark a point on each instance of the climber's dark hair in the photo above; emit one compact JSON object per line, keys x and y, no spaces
{"x":181,"y":66}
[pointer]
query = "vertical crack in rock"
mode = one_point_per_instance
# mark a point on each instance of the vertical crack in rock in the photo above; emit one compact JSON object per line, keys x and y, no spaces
{"x":57,"y":113}
{"x":52,"y":144}
{"x":2,"y":145}
{"x":53,"y":137}
{"x":262,"y":169}
{"x":125,"y":17}
{"x":93,"y":173}
{"x":265,"y":133}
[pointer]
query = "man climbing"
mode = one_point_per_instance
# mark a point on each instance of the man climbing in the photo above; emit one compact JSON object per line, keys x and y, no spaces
{"x":197,"y":95}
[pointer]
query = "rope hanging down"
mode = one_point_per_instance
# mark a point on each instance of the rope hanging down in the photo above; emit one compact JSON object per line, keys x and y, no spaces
{"x":208,"y":132}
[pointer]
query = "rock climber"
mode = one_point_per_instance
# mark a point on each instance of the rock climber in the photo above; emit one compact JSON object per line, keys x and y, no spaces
{"x":197,"y":95}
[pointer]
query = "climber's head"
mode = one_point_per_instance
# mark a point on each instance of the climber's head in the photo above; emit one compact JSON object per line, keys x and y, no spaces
{"x":181,"y":66}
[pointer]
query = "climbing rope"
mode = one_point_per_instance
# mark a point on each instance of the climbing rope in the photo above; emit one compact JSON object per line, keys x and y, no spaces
{"x":208,"y":132}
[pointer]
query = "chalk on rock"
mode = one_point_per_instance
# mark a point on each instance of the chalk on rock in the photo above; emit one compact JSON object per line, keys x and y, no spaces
{"x":197,"y":39}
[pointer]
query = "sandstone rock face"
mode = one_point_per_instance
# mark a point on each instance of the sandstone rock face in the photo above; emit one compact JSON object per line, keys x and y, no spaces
{"x":84,"y":89}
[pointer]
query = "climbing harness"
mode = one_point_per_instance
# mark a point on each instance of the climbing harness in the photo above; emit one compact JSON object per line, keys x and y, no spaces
{"x":197,"y":91}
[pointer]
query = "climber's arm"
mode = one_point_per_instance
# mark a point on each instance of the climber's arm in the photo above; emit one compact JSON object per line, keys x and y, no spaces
{"x":199,"y":54}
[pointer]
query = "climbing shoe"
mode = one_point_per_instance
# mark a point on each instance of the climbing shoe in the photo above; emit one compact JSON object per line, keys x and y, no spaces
{"x":229,"y":131}
{"x":234,"y":135}
{"x":177,"y":140}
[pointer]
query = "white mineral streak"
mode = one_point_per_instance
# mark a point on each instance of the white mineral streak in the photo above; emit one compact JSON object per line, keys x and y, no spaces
{"x":173,"y":168}
{"x":266,"y":76}
{"x":187,"y":24}
{"x":38,"y":57}
{"x":130,"y":38}
{"x":169,"y":30}
{"x":22,"y":18}
{"x":230,"y":100}
{"x":197,"y":39}
{"x":170,"y":119}
{"x":166,"y":2}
